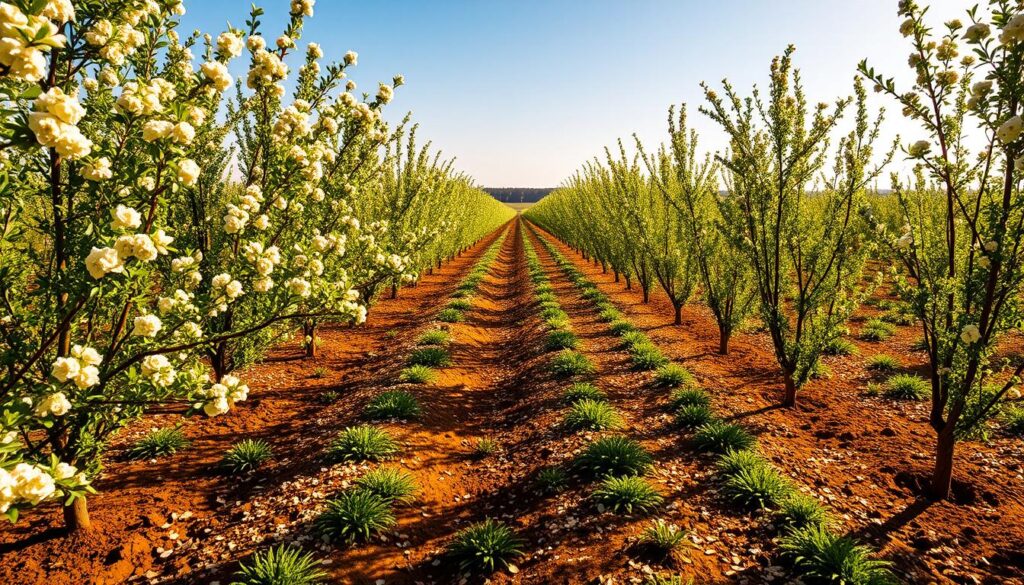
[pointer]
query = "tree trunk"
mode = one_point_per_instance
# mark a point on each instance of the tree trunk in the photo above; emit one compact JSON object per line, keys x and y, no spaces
{"x":76,"y":516}
{"x":789,"y":400}
{"x":394,"y":291}
{"x":309,"y":338}
{"x":679,"y":313}
{"x":723,"y":340}
{"x":647,"y":294}
{"x":219,"y":361}
{"x":616,"y":275}
{"x":629,"y":282}
{"x":942,"y":474}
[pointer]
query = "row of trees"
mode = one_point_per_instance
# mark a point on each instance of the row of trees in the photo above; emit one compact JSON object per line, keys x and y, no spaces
{"x":782,"y":224}
{"x":159,"y":230}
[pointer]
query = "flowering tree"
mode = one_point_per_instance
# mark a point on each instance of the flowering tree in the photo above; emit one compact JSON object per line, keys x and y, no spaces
{"x":799,"y":238}
{"x":958,"y":243}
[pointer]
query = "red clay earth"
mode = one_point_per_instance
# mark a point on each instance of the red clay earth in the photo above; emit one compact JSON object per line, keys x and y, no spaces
{"x":866,"y":456}
{"x":178,"y":520}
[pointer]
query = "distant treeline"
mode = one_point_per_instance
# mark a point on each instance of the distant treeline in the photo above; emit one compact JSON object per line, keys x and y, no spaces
{"x":518,"y":194}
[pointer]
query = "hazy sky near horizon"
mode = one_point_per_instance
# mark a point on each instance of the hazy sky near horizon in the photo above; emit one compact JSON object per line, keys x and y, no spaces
{"x":524,"y":92}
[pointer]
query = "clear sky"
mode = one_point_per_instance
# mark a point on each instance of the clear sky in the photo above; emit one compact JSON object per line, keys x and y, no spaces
{"x":523,"y":92}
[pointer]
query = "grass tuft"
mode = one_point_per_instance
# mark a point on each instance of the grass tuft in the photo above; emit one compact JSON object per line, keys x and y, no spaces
{"x":582,"y":391}
{"x":158,"y":443}
{"x":434,"y":337}
{"x":694,"y":415}
{"x":721,"y":437}
{"x":616,"y":455}
{"x":281,"y":565}
{"x":417,"y":375}
{"x":362,"y":443}
{"x":906,"y":387}
{"x":485,"y":546}
{"x":883,"y":363}
{"x":354,"y":516}
{"x":570,"y":363}
{"x":450,"y":315}
{"x":627,"y":494}
{"x":431,"y":356}
{"x":246,"y":455}
{"x":592,"y":415}
{"x":561,"y":339}
{"x":673,"y":376}
{"x":391,"y":484}
{"x":394,"y":404}
{"x":823,"y":557}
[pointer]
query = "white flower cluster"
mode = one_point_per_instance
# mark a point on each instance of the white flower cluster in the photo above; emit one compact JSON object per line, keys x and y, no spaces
{"x":53,"y":121}
{"x":158,"y":370}
{"x":264,"y":261}
{"x":267,"y":68}
{"x":81,"y":368}
{"x":225,"y":290}
{"x":221,"y":397}
{"x":302,"y":7}
{"x":217,"y":73}
{"x":24,"y":38}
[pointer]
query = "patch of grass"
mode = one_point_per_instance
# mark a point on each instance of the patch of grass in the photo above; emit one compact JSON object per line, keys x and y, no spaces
{"x":329,"y":397}
{"x":450,"y":315}
{"x":582,"y":391}
{"x":756,"y":487}
{"x":354,"y":516}
{"x":673,"y":376}
{"x":552,"y":479}
{"x":840,"y":346}
{"x":557,"y":321}
{"x":621,"y":328}
{"x":394,"y":404}
{"x":801,"y":510}
{"x":158,"y":443}
{"x":434,"y":337}
{"x":663,"y":538}
{"x":610,"y":315}
{"x":554,"y":313}
{"x":647,"y":356}
{"x":629,"y":493}
{"x":883,"y":363}
{"x":561,"y":339}
{"x":431,"y":356}
{"x":570,"y":363}
{"x":694,"y":415}
{"x":544,"y":289}
{"x":592,"y":294}
{"x":362,"y":443}
{"x":281,"y":565}
{"x":592,"y":415}
{"x":246,"y":455}
{"x":391,"y":333}
{"x":417,"y":375}
{"x":732,"y":462}
{"x":820,"y":556}
{"x":919,"y":345}
{"x":877,"y":330}
{"x":820,"y":371}
{"x":485,"y":446}
{"x":546,"y":297}
{"x":320,"y":372}
{"x":1013,"y":421}
{"x":906,"y":387}
{"x":390,"y":483}
{"x":720,"y":437}
{"x":460,"y":304}
{"x":659,"y":579}
{"x":898,"y":317}
{"x":632,"y":338}
{"x":485,"y":546}
{"x":690,"y":397}
{"x":616,"y":455}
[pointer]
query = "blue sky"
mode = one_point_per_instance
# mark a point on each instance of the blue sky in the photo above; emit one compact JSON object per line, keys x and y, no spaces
{"x":523,"y":92}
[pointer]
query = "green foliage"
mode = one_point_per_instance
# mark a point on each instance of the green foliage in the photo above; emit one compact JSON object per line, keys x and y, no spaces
{"x":823,"y":557}
{"x":485,"y":446}
{"x":281,"y":565}
{"x":840,"y":346}
{"x":756,"y":486}
{"x":417,"y":375}
{"x":733,"y":461}
{"x":561,"y":339}
{"x":615,"y":455}
{"x":320,"y":372}
{"x":876,"y":330}
{"x":393,"y":404}
{"x":450,"y":315}
{"x":621,"y":327}
{"x":673,"y":376}
{"x":629,"y":493}
{"x":632,"y":338}
{"x":694,"y":415}
{"x":667,"y":539}
{"x":1013,"y":421}
{"x":592,"y":415}
{"x":570,"y":363}
{"x":690,"y":397}
{"x":660,"y":579}
{"x":247,"y":455}
{"x":610,"y":315}
{"x":434,"y":337}
{"x":460,"y":305}
{"x":329,"y":397}
{"x":390,"y":483}
{"x":883,"y":363}
{"x":431,"y":356}
{"x":158,"y":443}
{"x":906,"y":387}
{"x":552,"y":479}
{"x":647,"y":356}
{"x":800,"y":510}
{"x":362,"y":443}
{"x":485,"y":547}
{"x":720,"y":437}
{"x":355,"y":515}
{"x":582,"y":391}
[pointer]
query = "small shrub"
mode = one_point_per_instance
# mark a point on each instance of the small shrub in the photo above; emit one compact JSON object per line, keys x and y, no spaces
{"x":920,"y":345}
{"x":571,"y":363}
{"x":906,"y":387}
{"x":673,"y":376}
{"x":690,"y":397}
{"x":720,"y":437}
{"x":664,"y":538}
{"x":823,"y":557}
{"x":883,"y":363}
{"x":616,"y":455}
{"x":756,"y":487}
{"x":631,"y":338}
{"x":552,"y":479}
{"x":732,"y":462}
{"x":877,"y":330}
{"x":582,"y":391}
{"x":627,"y":494}
{"x":592,"y":294}
{"x":647,"y":356}
{"x":554,"y":313}
{"x":485,"y":446}
{"x":329,"y":397}
{"x":1013,"y":421}
{"x":547,"y":297}
{"x":319,"y":372}
{"x":417,"y":375}
{"x":820,"y":371}
{"x":394,"y":404}
{"x":592,"y":415}
{"x":561,"y":339}
{"x":281,"y":565}
{"x":432,"y":356}
{"x":390,"y":333}
{"x":610,"y":315}
{"x":544,"y":289}
{"x":899,"y":317}
{"x":694,"y":415}
{"x":840,"y":346}
{"x":801,"y":510}
{"x":460,"y":304}
{"x":557,"y":322}
{"x":659,"y":579}
{"x":355,"y":515}
{"x":450,"y":315}
{"x":621,"y":328}
{"x":485,"y":546}
{"x":246,"y":455}
{"x":362,"y":443}
{"x":391,"y":484}
{"x":434,"y":337}
{"x":158,"y":443}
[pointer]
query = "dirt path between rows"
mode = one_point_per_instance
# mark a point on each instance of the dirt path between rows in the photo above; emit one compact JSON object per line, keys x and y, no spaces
{"x":864,"y":455}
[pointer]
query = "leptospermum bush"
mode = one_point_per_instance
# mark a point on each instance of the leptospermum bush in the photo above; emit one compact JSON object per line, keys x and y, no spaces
{"x":958,"y":237}
{"x":125,"y":259}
